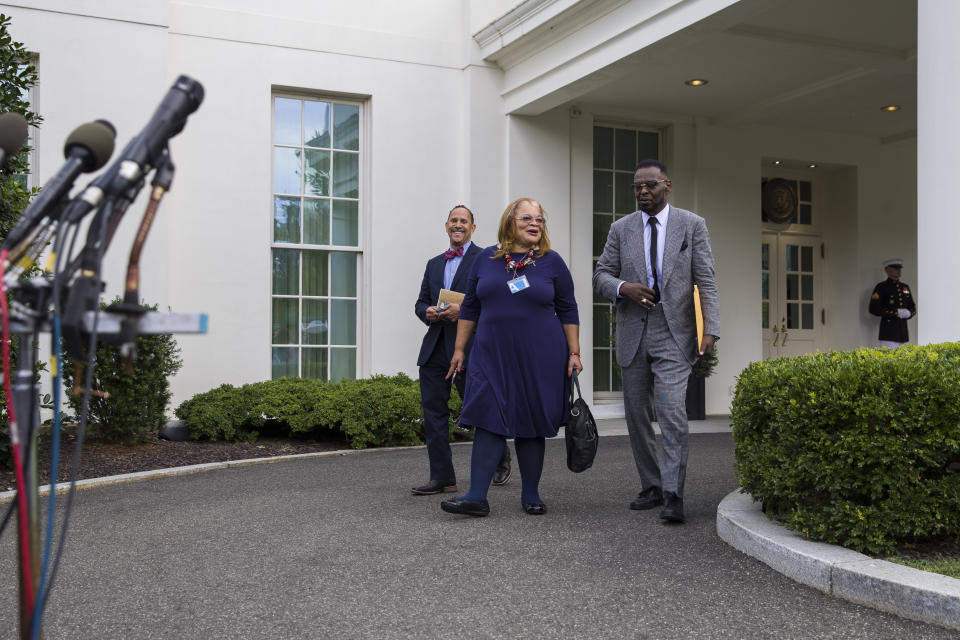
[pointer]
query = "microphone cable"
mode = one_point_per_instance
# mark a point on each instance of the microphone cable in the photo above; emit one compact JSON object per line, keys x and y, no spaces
{"x":26,"y":571}
{"x":56,"y":372}
{"x":38,"y":611}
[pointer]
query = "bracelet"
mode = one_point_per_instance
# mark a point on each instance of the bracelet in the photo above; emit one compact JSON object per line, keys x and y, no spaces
{"x":574,"y":353}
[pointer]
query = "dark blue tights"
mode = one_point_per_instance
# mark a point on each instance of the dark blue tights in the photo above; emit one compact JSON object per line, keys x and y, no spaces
{"x":487,"y":450}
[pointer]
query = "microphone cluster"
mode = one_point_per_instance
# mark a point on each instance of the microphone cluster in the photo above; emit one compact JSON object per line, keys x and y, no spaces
{"x":65,"y":298}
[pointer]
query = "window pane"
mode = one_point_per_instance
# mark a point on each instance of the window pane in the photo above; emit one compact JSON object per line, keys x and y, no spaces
{"x":603,"y":191}
{"x":286,"y":121}
{"x":346,"y":225}
{"x":344,"y":269}
{"x":346,"y":175}
{"x":648,"y":145}
{"x":625,"y":198}
{"x":316,"y":221}
{"x":806,"y":291}
{"x":602,"y":148}
{"x":314,"y":324}
{"x":765,"y":257}
{"x":601,"y":229}
{"x":343,"y":322}
{"x":793,"y":290}
{"x":806,"y":193}
{"x":343,"y":364}
{"x":314,"y":273}
{"x":626,"y":149}
{"x":807,"y":316}
{"x":806,"y":259}
{"x":617,"y":382}
{"x":766,"y":315}
{"x":316,"y":123}
{"x":601,"y":325}
{"x":765,"y":286}
{"x":601,"y":370}
{"x":346,"y":126}
{"x":284,"y":362}
{"x":596,"y":296}
{"x":317,"y":168}
{"x":314,"y":364}
{"x":793,"y":263}
{"x":286,"y":219}
{"x":286,"y":171}
{"x":286,"y":272}
{"x":792,"y":315}
{"x":806,"y":214}
{"x":284,"y":321}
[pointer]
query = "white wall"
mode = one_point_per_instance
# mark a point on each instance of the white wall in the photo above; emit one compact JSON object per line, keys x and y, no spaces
{"x":210,"y":249}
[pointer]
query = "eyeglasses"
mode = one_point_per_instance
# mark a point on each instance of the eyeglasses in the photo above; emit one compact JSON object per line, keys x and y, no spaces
{"x":649,"y":184}
{"x":529,"y":219}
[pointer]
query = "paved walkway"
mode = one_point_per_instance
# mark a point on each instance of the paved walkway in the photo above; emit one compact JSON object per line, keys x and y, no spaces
{"x":336,"y":547}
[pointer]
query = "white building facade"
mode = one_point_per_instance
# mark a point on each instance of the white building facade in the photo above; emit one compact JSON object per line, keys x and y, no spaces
{"x":313,"y":182}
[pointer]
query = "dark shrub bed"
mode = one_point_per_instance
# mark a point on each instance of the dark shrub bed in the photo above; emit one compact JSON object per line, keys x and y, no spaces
{"x":372,"y":412}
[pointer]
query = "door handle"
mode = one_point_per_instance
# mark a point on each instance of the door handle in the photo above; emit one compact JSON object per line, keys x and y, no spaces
{"x":776,"y":335}
{"x":783,"y":332}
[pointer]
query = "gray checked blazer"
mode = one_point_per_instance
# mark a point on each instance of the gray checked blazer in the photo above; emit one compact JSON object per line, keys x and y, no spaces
{"x":687,"y":261}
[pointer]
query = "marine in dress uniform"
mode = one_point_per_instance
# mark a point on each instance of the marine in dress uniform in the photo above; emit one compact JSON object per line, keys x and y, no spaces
{"x":893,"y":302}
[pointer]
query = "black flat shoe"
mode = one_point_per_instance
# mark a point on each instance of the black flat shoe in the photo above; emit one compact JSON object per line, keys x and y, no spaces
{"x":433,"y":487}
{"x":466,"y":507}
{"x":535,"y":508}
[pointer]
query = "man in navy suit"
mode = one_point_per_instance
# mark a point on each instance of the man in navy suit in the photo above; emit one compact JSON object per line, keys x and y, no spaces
{"x":449,"y":270}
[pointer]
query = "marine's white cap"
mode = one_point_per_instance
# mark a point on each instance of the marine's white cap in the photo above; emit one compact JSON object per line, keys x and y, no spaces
{"x":893,"y":262}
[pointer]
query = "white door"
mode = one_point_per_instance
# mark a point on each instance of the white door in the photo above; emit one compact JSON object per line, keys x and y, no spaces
{"x":791,"y":265}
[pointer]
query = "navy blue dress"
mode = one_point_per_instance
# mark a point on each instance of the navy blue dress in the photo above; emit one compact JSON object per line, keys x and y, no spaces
{"x":517,"y":371}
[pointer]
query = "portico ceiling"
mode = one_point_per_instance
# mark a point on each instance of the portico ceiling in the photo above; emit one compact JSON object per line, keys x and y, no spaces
{"x":824,"y":65}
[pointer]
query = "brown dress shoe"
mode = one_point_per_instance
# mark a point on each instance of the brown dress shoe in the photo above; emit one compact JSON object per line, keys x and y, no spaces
{"x":433,"y":487}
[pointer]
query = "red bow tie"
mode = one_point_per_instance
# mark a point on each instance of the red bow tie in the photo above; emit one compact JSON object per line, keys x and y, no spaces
{"x":453,"y":253}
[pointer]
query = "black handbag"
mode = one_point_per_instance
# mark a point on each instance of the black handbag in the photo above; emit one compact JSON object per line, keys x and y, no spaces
{"x":581,"y":432}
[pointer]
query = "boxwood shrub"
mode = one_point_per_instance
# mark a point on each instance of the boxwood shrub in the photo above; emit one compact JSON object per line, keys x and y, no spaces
{"x":371,"y":412}
{"x":860,"y":449}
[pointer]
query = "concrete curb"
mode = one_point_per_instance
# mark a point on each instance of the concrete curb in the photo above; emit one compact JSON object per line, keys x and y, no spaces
{"x":894,"y":588}
{"x":142,"y":476}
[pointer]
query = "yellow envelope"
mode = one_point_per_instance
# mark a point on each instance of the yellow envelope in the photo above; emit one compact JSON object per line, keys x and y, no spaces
{"x":699,"y":314}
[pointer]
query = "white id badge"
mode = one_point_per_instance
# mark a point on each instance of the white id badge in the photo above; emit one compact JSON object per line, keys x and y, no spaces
{"x":518,"y":284}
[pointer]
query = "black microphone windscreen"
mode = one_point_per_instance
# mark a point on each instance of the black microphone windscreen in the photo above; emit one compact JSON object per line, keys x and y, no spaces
{"x":13,"y":133}
{"x":97,"y":138}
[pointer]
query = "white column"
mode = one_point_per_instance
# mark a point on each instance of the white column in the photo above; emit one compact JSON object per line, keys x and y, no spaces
{"x":938,"y":171}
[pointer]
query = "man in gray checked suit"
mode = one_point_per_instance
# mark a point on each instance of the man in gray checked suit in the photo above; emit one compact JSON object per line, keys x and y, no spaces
{"x":649,"y":265}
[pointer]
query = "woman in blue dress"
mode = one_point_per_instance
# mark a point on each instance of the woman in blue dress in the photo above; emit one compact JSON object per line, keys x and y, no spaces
{"x":520,"y":304}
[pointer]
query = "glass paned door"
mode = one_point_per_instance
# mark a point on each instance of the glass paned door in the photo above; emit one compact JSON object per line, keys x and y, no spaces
{"x":616,"y":152}
{"x":791,"y":309}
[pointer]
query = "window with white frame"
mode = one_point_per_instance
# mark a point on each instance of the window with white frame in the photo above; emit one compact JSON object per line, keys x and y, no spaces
{"x":316,"y":237}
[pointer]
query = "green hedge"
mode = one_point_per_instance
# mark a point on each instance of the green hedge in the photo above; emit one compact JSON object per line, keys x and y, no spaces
{"x":373,"y":412}
{"x":860,"y":448}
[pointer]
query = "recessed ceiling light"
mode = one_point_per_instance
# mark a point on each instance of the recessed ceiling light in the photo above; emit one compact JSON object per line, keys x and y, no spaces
{"x":696,"y":82}
{"x":811,"y":166}
{"x":776,"y":162}
{"x":890,"y":107}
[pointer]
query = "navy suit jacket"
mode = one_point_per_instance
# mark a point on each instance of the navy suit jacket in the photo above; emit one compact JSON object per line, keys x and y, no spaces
{"x":442,"y":331}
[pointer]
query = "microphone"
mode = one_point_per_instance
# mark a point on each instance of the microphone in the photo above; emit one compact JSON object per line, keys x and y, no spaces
{"x":87,"y":148}
{"x":142,"y":153}
{"x":13,"y":133}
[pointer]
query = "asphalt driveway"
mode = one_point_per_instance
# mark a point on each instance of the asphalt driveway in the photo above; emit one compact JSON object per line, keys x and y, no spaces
{"x":337,"y":547}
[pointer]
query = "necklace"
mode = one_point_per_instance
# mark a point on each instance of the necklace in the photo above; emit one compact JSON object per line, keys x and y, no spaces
{"x":514,"y":266}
